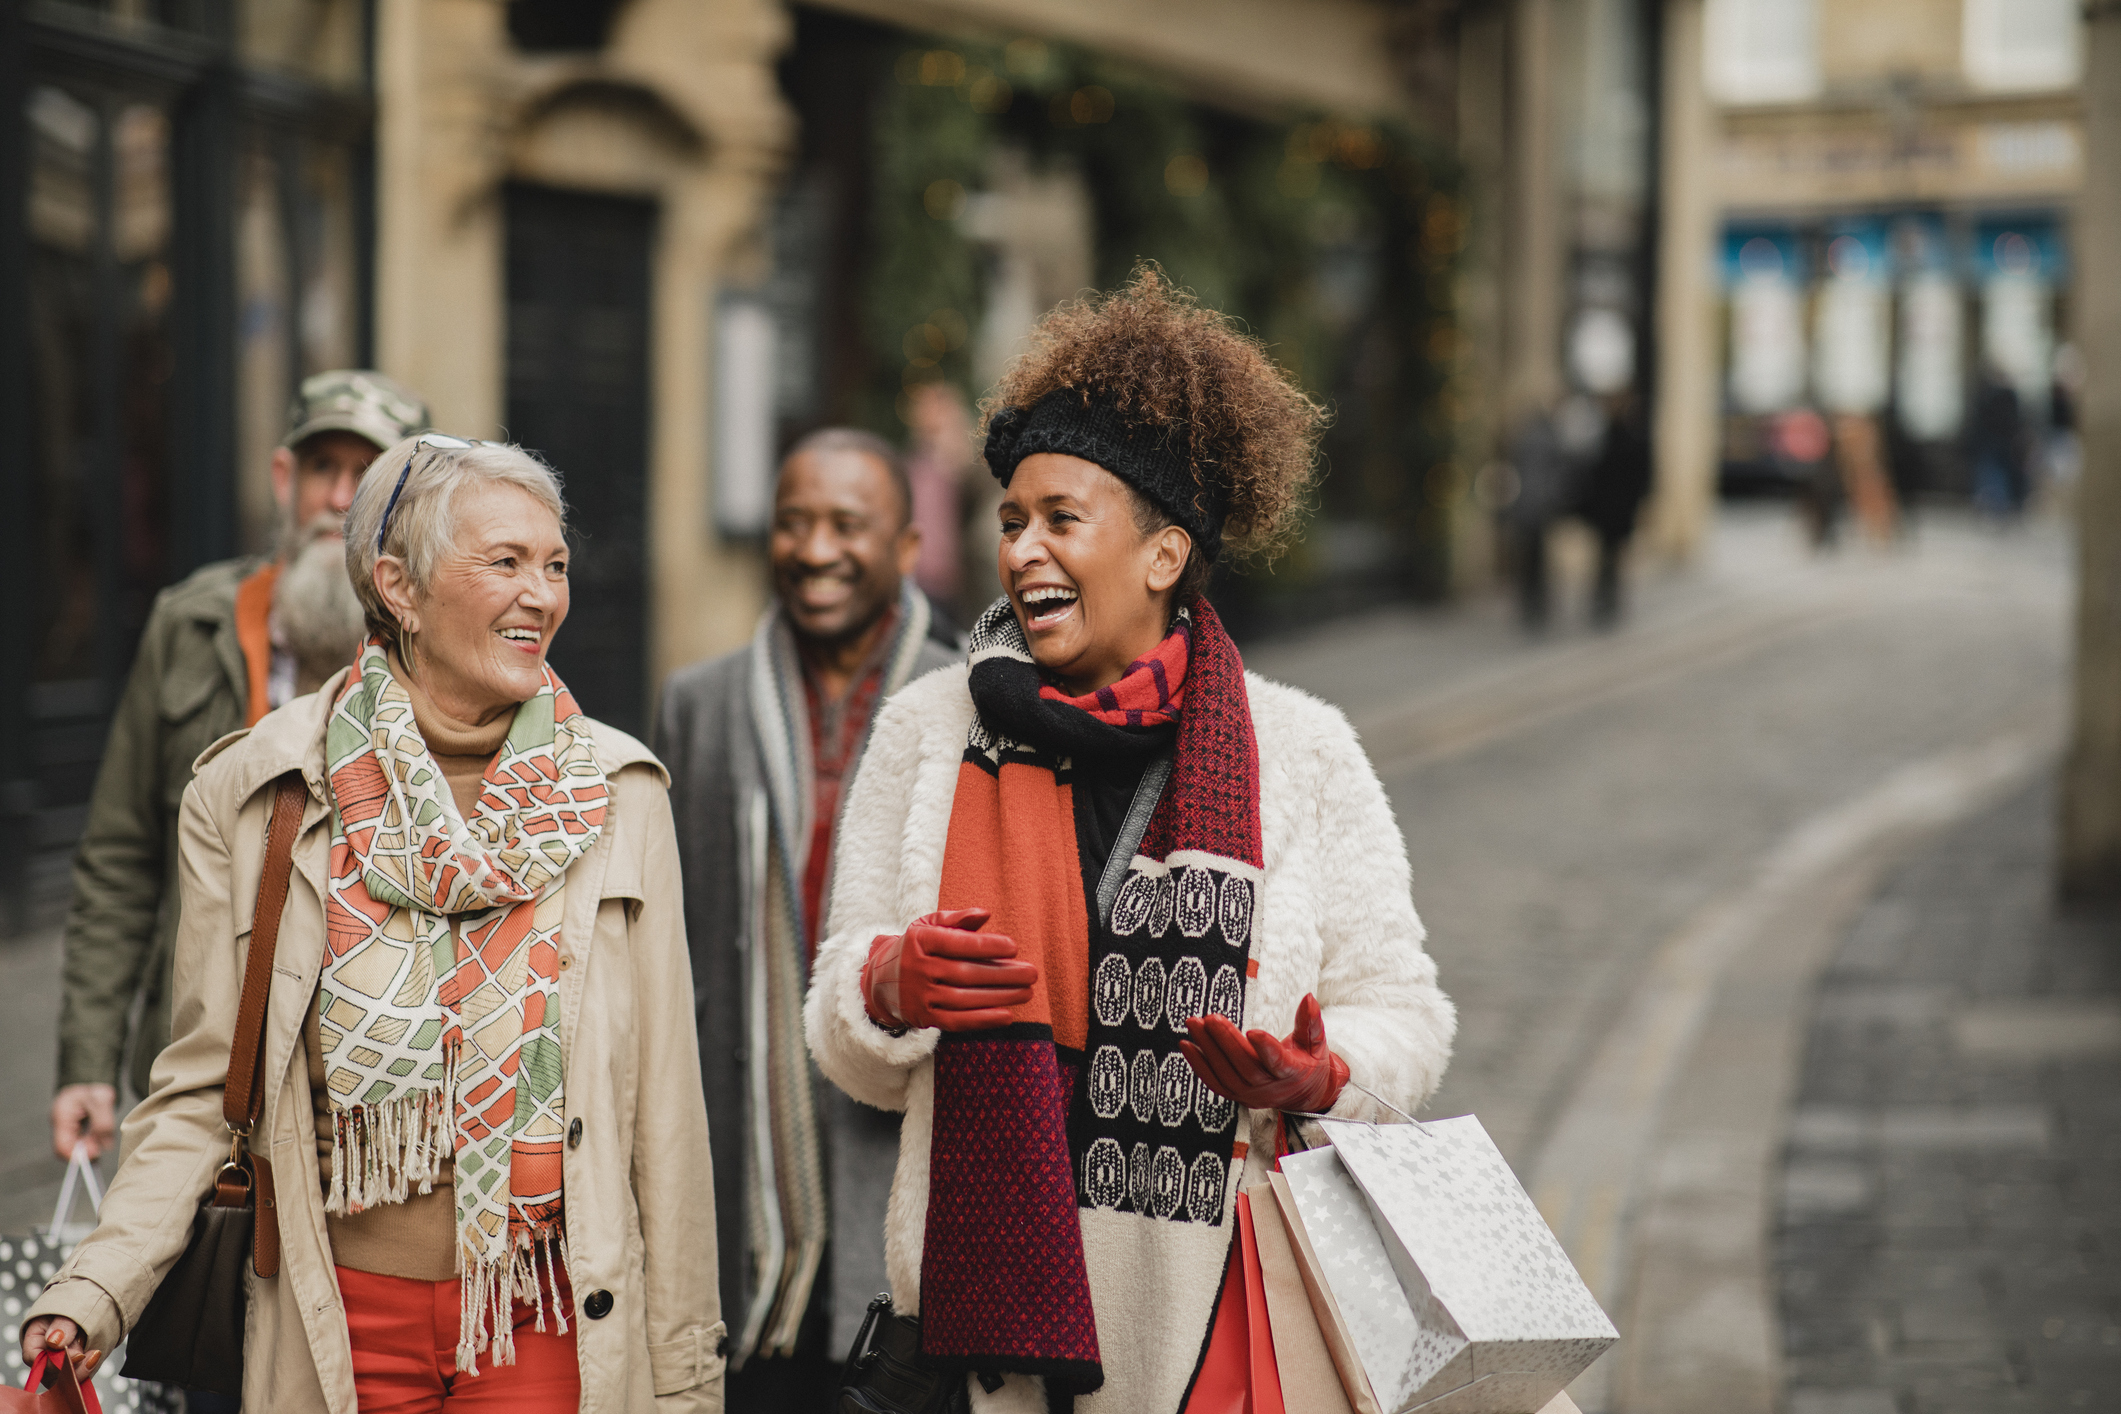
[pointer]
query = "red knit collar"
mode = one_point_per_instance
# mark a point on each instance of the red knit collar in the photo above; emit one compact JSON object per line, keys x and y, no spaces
{"x":1149,"y":694}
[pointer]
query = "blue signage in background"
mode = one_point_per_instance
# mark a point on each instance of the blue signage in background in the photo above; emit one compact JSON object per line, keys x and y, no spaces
{"x":2018,"y":245}
{"x":1921,"y":244}
{"x":1757,"y":251}
{"x":1859,"y":249}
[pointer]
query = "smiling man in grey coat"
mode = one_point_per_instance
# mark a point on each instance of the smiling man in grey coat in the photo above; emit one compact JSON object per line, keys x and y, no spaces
{"x":761,"y":745}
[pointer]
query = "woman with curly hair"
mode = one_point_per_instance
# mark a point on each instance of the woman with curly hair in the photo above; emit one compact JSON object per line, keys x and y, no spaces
{"x":1072,"y":870}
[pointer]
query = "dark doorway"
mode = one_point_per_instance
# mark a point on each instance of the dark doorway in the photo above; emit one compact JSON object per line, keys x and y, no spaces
{"x":578,"y":278}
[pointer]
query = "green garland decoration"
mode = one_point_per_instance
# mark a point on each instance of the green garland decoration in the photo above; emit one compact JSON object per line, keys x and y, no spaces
{"x":1335,"y":241}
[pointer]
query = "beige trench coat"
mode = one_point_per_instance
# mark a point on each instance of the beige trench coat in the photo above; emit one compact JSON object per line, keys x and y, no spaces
{"x":639,"y":1188}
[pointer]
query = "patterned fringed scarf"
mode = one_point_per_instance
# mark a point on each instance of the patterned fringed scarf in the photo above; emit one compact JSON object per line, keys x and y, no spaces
{"x":1084,"y":1108}
{"x":439,"y":1003}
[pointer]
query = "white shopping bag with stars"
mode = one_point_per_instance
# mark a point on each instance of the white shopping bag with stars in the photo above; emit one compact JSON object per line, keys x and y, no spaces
{"x":1452,"y":1290}
{"x":28,"y":1263}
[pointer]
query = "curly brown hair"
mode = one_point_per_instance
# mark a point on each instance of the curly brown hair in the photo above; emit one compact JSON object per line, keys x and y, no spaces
{"x":1156,"y":353}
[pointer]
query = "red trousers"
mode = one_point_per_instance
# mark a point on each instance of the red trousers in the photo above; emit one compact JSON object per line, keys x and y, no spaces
{"x":405,"y":1353}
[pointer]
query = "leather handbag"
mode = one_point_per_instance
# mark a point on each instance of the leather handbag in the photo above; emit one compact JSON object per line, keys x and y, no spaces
{"x":191,"y":1333}
{"x":885,"y":1373}
{"x":53,"y":1388}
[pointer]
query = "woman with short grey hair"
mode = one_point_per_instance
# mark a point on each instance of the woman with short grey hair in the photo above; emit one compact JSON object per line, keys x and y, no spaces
{"x":481,"y":1077}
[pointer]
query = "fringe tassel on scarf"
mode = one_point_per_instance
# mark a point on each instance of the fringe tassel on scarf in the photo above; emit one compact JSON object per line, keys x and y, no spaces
{"x":491,"y":1288}
{"x":385,"y":1153}
{"x":380,"y":1152}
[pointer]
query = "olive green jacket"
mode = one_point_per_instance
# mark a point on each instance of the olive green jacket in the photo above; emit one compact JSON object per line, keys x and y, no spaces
{"x":188,"y":689}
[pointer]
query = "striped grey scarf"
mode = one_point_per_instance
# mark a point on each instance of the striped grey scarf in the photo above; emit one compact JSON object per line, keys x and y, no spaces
{"x":787,"y":1200}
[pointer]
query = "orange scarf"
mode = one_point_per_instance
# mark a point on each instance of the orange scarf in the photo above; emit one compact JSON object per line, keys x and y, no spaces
{"x":1084,"y":1102}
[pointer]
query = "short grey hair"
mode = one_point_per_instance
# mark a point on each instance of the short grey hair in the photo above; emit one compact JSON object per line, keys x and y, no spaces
{"x":422,"y":526}
{"x":868,"y":444}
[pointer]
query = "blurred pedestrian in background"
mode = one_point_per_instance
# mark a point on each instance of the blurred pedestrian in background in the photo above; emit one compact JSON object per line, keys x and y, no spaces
{"x":2064,"y":461}
{"x":1801,"y":446}
{"x":220,"y":650}
{"x":1550,"y":452}
{"x":1614,"y":488}
{"x":1538,"y":488}
{"x":1859,"y":448}
{"x":1102,"y":832}
{"x":1996,"y":445}
{"x":936,"y":467}
{"x":760,"y":744}
{"x":442,"y":920}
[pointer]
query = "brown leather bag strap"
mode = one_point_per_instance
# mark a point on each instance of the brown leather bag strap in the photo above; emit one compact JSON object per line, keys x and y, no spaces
{"x":240,"y":1100}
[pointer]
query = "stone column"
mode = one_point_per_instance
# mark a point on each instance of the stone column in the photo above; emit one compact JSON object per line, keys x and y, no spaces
{"x":1535,"y":246}
{"x":1683,"y":497}
{"x":2090,"y":864}
{"x":1483,"y":130}
{"x":440,"y":68}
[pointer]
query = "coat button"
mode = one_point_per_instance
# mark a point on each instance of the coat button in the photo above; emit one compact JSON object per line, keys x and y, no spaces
{"x":597,"y":1305}
{"x":574,"y":1135}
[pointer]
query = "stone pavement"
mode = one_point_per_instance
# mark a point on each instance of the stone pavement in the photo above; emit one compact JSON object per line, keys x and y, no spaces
{"x":29,"y":1029}
{"x":1950,"y":1240}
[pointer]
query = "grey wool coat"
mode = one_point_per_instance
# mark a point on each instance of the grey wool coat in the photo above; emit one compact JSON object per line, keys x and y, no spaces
{"x":741,"y":797}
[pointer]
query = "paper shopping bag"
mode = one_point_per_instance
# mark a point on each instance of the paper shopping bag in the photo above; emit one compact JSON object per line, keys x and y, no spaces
{"x":1300,"y":1353}
{"x":1238,"y":1373}
{"x":1377,"y":1338}
{"x":1485,"y":1314}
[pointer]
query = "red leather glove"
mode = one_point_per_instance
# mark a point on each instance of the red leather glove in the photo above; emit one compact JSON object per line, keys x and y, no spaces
{"x":1261,"y":1073}
{"x":943,"y":972}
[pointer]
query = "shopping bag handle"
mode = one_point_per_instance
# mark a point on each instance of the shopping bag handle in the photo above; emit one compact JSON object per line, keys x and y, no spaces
{"x":58,"y":1363}
{"x":80,"y":1168}
{"x":1339,"y":1119}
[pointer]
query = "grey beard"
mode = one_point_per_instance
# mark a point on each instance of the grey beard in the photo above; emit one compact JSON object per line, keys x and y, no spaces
{"x":318,"y":615}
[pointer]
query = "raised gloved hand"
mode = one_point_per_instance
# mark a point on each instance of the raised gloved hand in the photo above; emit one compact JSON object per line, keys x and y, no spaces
{"x":1297,"y":1073}
{"x":943,"y":972}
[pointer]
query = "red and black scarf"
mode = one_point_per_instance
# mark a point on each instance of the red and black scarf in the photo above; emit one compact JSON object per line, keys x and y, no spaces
{"x":1085,"y":1102}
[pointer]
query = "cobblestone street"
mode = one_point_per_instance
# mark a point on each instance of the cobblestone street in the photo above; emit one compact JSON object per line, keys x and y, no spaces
{"x":1952,"y":1194}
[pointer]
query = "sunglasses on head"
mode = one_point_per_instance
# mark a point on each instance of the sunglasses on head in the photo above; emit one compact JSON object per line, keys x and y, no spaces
{"x":438,"y":441}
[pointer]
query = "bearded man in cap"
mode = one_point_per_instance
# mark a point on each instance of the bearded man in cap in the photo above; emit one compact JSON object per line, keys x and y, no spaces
{"x":220,"y":650}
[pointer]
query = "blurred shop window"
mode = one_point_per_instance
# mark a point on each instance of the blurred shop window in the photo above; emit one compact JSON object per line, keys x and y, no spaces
{"x":1767,"y":323}
{"x":2018,"y":263}
{"x":1930,"y":381}
{"x":195,"y":193}
{"x":99,"y":296}
{"x":1931,"y":385}
{"x":1761,"y":51}
{"x":1850,"y":362}
{"x":297,"y":235}
{"x":768,"y":364}
{"x":99,"y":283}
{"x":745,"y":352}
{"x":1602,"y":351}
{"x":2021,"y":44}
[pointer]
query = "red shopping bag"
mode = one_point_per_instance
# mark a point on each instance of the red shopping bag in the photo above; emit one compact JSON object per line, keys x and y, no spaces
{"x":1238,"y":1374}
{"x":52,"y":1389}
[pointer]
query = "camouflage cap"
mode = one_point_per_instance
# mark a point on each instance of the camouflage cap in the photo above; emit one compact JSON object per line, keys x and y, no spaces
{"x":356,"y":400}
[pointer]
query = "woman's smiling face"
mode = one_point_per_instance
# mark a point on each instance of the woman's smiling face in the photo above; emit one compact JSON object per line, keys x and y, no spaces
{"x":1091,"y":591}
{"x":496,"y":601}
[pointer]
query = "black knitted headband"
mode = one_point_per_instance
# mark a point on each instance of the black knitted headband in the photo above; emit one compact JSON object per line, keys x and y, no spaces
{"x":1151,"y":459}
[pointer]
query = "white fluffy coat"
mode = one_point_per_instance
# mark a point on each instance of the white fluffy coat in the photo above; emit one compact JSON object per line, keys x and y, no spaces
{"x":1335,"y":918}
